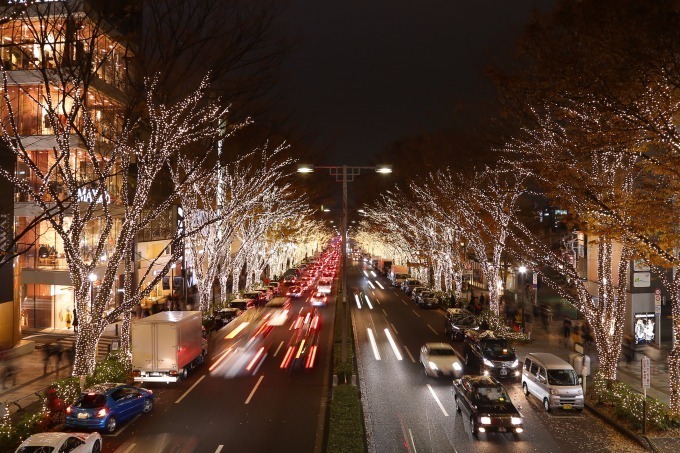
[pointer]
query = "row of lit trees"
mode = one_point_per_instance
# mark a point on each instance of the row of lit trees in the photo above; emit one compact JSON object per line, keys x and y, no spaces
{"x":595,"y":131}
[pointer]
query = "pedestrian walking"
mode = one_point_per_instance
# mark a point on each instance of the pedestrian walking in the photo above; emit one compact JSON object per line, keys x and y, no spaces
{"x":481,"y":300}
{"x":566,"y":326}
{"x":47,"y":355}
{"x":75,"y":321}
{"x":527,"y":323}
{"x":8,"y":370}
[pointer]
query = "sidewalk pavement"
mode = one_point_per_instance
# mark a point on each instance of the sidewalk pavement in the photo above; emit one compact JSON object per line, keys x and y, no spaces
{"x":30,"y":377}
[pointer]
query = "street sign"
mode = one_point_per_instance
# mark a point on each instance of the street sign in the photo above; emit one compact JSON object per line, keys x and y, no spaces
{"x":657,"y":292}
{"x":657,"y":309}
{"x":646,"y":372}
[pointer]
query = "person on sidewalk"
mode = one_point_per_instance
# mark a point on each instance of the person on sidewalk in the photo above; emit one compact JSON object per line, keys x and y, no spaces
{"x":7,"y":370}
{"x":75,"y":321}
{"x":47,"y":354}
{"x":628,"y":348}
{"x":481,"y":301}
{"x":566,"y":326}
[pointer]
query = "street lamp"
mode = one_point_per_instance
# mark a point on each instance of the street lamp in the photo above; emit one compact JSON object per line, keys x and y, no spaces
{"x":344,"y":174}
{"x":522,"y":270}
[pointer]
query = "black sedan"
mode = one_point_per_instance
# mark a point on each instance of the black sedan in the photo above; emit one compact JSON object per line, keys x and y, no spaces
{"x":457,"y":325}
{"x":484,"y":400}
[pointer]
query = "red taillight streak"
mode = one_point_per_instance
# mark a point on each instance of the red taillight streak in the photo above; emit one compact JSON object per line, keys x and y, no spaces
{"x":311,"y":357}
{"x":254,"y":361}
{"x":68,"y":410}
{"x":287,"y":358}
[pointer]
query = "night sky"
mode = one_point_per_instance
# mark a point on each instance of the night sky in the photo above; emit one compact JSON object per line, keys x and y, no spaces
{"x":364,"y":73}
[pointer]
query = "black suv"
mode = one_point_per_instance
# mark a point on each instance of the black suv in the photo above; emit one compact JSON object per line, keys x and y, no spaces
{"x":491,"y":354}
{"x":457,"y":323}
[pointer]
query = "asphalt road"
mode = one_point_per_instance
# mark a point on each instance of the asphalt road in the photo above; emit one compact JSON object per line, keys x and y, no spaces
{"x":238,"y":401}
{"x":407,"y":411}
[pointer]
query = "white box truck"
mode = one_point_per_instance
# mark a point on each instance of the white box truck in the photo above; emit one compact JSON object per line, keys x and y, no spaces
{"x":165,"y":346}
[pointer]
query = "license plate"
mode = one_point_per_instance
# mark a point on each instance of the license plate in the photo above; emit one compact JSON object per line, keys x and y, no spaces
{"x":82,"y":415}
{"x":566,"y":406}
{"x":501,"y":430}
{"x":154,"y":374}
{"x":504,"y":372}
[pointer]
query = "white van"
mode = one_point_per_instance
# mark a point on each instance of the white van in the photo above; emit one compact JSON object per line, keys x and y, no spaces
{"x":553,"y":381}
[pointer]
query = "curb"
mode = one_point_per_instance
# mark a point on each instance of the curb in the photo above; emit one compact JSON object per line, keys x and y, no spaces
{"x":642,"y":441}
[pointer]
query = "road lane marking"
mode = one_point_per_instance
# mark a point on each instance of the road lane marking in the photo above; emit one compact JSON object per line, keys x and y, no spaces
{"x":415,"y":313}
{"x":190,"y":389}
{"x":409,"y":353}
{"x":374,"y":345}
{"x":412,"y":441}
{"x":378,"y":283}
{"x":373,"y":274}
{"x":393,"y":344}
{"x":368,"y":301}
{"x":130,"y":448}
{"x":434,"y":395}
{"x":376,"y":299}
{"x":254,"y":389}
{"x":405,"y":303}
{"x":395,"y":329}
{"x":219,"y":448}
{"x":432,"y":329}
{"x":371,"y":284}
{"x":356,"y":297}
{"x":277,"y":349}
{"x":384,"y":312}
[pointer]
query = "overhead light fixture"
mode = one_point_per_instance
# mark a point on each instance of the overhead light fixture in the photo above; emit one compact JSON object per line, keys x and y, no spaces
{"x":305,"y":168}
{"x":383,"y":169}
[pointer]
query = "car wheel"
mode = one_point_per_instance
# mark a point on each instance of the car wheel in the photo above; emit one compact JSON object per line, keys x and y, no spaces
{"x":148,"y":405}
{"x":546,"y":404}
{"x":525,"y":389}
{"x":455,"y":400}
{"x":183,"y":374}
{"x":111,"y":424}
{"x":473,"y":426}
{"x":97,"y":447}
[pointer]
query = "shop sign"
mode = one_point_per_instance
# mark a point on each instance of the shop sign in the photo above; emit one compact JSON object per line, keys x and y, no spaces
{"x":642,"y":279}
{"x":640,"y":266}
{"x":88,"y":195}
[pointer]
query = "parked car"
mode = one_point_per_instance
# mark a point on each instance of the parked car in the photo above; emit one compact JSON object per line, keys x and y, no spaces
{"x":553,"y":381}
{"x":416,"y":291}
{"x":487,"y":405}
{"x":458,"y":322}
{"x":427,"y":299}
{"x":62,"y":442}
{"x":408,"y":285}
{"x":491,"y":354}
{"x":439,"y":359}
{"x":225,"y":316}
{"x":103,"y":406}
{"x":242,"y":305}
{"x":275,"y":287}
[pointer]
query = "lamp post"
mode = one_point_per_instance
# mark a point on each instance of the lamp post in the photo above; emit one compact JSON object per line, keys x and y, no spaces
{"x":344,"y":174}
{"x":522,"y":270}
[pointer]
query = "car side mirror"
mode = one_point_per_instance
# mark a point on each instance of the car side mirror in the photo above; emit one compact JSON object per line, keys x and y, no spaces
{"x":580,"y":380}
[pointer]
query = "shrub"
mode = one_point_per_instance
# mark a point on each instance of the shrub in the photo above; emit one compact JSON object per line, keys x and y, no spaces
{"x":114,"y":369}
{"x":347,"y":421}
{"x":627,"y":404}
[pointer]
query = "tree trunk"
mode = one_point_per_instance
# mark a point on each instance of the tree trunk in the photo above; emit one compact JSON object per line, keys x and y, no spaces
{"x":86,"y":348}
{"x":125,"y":349}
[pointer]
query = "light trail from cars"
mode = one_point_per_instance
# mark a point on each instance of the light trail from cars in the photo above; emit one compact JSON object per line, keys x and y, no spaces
{"x":368,"y":302}
{"x":374,"y":345}
{"x":393,"y":344}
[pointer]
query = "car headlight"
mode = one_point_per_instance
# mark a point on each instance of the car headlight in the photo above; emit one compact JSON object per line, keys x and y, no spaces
{"x":488,"y":363}
{"x":516,"y":420}
{"x":433,"y":366}
{"x":514,"y":364}
{"x":485,"y":420}
{"x":554,"y":392}
{"x":456,"y":366}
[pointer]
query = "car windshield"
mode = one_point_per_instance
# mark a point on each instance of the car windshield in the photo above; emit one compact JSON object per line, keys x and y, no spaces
{"x":498,"y":346}
{"x":238,"y":305}
{"x":464,"y":320}
{"x":562,"y":377}
{"x":91,"y":401}
{"x":35,"y":449}
{"x":441,"y":351}
{"x":491,"y":395}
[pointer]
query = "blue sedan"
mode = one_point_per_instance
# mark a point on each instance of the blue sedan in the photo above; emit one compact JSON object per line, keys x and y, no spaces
{"x":105,"y":405}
